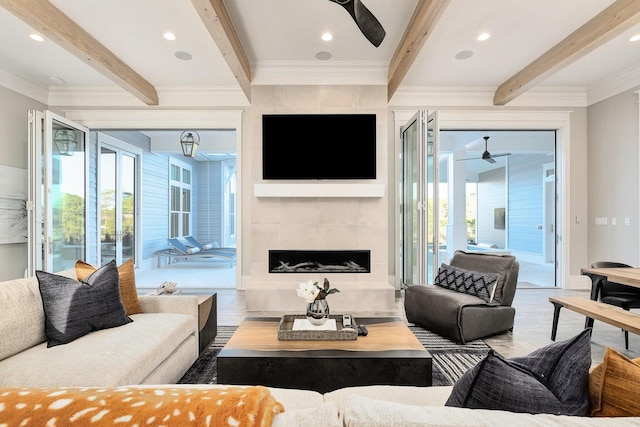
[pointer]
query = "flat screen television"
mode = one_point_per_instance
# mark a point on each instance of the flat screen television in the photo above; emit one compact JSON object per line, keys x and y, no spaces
{"x":318,"y":146}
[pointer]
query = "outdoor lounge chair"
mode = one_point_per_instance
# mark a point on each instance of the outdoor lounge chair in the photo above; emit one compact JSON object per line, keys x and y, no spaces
{"x":211,"y":247}
{"x":179,"y":251}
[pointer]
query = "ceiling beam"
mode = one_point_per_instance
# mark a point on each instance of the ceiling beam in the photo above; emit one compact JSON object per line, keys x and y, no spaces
{"x":612,"y":21}
{"x":58,"y":27}
{"x":424,"y":19}
{"x":216,"y":18}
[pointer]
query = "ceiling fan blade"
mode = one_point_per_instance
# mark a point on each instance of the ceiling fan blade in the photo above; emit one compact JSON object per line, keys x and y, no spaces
{"x":501,"y":154}
{"x":470,"y":158}
{"x":368,"y":24}
{"x":489,"y":159}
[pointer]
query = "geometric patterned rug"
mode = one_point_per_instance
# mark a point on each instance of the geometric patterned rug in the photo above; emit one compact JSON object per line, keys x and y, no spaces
{"x":450,"y":360}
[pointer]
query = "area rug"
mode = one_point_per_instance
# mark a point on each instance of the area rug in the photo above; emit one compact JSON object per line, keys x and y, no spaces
{"x":450,"y":360}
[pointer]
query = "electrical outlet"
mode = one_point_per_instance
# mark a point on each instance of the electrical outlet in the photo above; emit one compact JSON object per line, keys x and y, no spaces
{"x":627,"y":221}
{"x":577,"y":219}
{"x":614,"y":221}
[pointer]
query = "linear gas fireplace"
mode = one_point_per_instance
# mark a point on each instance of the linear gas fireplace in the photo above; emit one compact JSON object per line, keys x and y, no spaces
{"x":312,"y":261}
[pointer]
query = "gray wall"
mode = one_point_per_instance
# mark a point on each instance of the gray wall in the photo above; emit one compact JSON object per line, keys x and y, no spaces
{"x":13,"y":152}
{"x":613,"y":179}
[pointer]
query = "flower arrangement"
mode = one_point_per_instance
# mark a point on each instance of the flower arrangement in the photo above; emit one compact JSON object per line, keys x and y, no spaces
{"x":311,"y":291}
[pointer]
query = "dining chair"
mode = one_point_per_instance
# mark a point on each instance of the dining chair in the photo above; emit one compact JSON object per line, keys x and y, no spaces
{"x":623,"y":296}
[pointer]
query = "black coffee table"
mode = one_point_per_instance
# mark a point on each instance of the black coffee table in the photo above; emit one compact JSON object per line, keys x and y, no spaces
{"x":389,"y":355}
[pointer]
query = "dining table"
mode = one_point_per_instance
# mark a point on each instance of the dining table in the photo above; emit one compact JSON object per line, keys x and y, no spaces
{"x":624,"y":276}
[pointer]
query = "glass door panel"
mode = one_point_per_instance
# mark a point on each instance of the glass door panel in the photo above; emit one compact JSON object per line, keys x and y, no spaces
{"x":419,"y":199}
{"x":229,"y":203}
{"x":57,"y":207}
{"x":412,"y":230}
{"x":433,"y":204}
{"x":128,"y":203}
{"x":108,"y":213}
{"x":65,"y":199}
{"x":35,"y":202}
{"x":117,"y":205}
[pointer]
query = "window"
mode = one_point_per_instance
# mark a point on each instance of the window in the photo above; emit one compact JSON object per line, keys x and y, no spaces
{"x":179,"y":199}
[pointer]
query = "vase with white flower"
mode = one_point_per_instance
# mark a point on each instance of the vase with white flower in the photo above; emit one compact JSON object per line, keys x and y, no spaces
{"x":316,"y":298}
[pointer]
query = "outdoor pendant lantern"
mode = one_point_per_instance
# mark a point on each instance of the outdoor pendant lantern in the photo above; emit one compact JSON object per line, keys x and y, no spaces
{"x":66,"y":141}
{"x":190,"y":141}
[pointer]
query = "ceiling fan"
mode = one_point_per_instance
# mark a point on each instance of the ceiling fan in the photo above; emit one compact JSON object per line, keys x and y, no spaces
{"x":368,"y":24}
{"x":487,"y":155}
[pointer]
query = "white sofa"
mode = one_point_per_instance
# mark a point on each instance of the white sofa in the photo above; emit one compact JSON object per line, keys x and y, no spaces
{"x":393,"y":406}
{"x":158,"y":347}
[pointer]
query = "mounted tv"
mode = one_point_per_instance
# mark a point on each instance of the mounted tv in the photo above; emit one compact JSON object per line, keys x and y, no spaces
{"x":318,"y":146}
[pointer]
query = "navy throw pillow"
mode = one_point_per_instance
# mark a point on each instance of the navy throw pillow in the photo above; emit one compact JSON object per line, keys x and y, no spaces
{"x":553,"y":380}
{"x":73,"y":309}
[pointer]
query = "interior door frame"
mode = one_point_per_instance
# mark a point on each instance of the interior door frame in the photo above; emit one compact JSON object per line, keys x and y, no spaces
{"x":560,"y":121}
{"x":128,"y":119}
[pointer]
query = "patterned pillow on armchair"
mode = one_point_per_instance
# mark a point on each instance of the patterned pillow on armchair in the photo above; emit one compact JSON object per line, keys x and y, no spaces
{"x":468,"y":282}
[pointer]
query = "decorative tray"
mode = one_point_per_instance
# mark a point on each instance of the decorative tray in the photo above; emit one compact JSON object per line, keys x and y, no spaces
{"x":285,"y":332}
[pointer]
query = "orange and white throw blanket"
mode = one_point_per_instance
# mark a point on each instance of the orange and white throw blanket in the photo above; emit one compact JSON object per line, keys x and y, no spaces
{"x":133,"y":406}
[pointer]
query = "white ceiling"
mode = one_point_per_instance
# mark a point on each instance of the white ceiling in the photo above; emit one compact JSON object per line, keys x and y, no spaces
{"x":282,"y":37}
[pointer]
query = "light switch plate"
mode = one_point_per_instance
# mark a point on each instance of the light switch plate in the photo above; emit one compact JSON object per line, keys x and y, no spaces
{"x":601,"y":221}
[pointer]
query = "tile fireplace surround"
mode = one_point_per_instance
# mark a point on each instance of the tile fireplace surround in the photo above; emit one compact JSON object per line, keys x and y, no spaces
{"x":355,"y":297}
{"x":317,"y":214}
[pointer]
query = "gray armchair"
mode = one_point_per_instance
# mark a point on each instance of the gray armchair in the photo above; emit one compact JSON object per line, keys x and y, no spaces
{"x":462,"y":317}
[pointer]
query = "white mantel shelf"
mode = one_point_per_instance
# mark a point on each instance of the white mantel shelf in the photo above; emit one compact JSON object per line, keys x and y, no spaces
{"x":319,"y":190}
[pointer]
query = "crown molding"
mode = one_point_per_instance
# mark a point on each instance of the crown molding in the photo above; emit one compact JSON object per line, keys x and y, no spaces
{"x":156,"y":118}
{"x":22,"y":86}
{"x":614,"y":85}
{"x":483,"y":97}
{"x":110,"y":96}
{"x":320,"y":73}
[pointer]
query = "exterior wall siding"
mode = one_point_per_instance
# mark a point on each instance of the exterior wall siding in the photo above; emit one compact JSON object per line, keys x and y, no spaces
{"x":155,"y":204}
{"x":525,"y":208}
{"x":207,"y":226}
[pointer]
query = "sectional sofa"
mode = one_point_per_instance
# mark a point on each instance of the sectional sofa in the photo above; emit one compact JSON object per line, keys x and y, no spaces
{"x":143,"y":360}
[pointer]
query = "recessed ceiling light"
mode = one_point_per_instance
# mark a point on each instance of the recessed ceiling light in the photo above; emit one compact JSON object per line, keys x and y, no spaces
{"x":635,"y":38}
{"x":484,"y":36}
{"x":327,"y":37}
{"x":185,"y":56}
{"x":323,"y":55}
{"x":464,"y":54}
{"x":55,"y":81}
{"x":169,"y":36}
{"x":36,"y":37}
